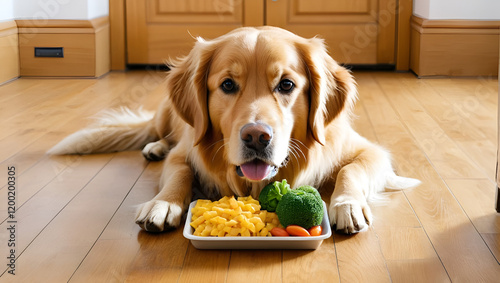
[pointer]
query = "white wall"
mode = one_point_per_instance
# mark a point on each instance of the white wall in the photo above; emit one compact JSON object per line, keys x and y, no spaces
{"x":97,"y":8}
{"x":60,"y":9}
{"x":457,"y":9}
{"x":6,"y":10}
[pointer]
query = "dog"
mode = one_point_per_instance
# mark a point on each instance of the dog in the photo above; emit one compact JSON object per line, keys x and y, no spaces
{"x":245,"y":109}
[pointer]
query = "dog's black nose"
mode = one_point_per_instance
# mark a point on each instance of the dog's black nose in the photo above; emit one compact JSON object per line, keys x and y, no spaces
{"x":256,"y":136}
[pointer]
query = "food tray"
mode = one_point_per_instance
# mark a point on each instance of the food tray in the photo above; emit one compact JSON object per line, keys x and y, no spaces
{"x":298,"y":243}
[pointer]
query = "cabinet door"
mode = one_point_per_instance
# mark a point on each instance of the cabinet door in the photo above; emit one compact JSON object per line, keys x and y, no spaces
{"x":161,"y":29}
{"x":356,"y":31}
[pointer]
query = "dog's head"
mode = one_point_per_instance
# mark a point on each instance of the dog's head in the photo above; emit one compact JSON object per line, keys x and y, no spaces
{"x":255,"y":90}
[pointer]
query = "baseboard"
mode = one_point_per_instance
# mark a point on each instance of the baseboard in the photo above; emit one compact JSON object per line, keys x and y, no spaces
{"x":454,"y":47}
{"x":9,"y":51}
{"x":85,"y":44}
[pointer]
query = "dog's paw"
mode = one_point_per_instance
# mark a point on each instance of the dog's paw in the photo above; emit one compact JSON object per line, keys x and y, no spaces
{"x":350,"y":216}
{"x":158,"y":216}
{"x":155,"y":151}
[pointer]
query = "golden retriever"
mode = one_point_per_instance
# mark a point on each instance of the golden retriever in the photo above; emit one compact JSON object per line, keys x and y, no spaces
{"x":245,"y":109}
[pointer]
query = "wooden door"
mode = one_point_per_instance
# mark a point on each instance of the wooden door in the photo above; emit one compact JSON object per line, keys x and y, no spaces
{"x":161,"y":29}
{"x":356,"y":31}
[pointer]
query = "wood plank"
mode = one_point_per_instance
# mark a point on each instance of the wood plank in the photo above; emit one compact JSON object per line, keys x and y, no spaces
{"x":34,"y":213}
{"x":299,"y":266}
{"x":348,"y":43}
{"x":445,"y":230}
{"x":136,"y":35}
{"x":147,"y":256}
{"x":442,"y":218}
{"x":475,"y":99}
{"x":77,"y":227}
{"x":393,"y":210}
{"x":79,"y":50}
{"x":475,"y":197}
{"x":9,"y":52}
{"x":467,"y":119}
{"x":405,"y":11}
{"x":41,"y":92}
{"x":455,"y":47}
{"x":108,"y":261}
{"x":11,"y":90}
{"x":407,"y":157}
{"x":493,"y":242}
{"x":130,"y":90}
{"x":396,"y":223}
{"x":263,"y":265}
{"x":29,"y":146}
{"x":123,"y":226}
{"x":102,"y":50}
{"x":253,"y":13}
{"x":469,"y":24}
{"x":386,"y":39}
{"x":422,"y":270}
{"x":38,"y":177}
{"x":148,"y":22}
{"x":360,"y":258}
{"x":445,"y":155}
{"x":337,"y":7}
{"x":117,"y":34}
{"x":205,"y":265}
{"x":114,"y":252}
{"x":34,"y":169}
{"x":54,"y":23}
{"x":160,"y":258}
{"x":394,"y":213}
{"x":34,"y":154}
{"x":85,"y":43}
{"x":410,"y":256}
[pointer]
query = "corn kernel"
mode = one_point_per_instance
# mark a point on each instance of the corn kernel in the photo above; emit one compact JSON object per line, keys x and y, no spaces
{"x":231,"y":217}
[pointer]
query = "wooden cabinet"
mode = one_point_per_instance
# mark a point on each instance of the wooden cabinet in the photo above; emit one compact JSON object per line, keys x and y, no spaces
{"x":162,"y":29}
{"x":356,"y":31}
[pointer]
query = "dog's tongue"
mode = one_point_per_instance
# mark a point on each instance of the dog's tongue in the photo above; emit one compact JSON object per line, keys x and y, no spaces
{"x":255,"y":170}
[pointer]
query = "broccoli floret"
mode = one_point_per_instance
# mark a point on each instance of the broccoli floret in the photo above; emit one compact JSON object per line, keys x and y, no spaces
{"x":302,"y":206}
{"x":271,"y":195}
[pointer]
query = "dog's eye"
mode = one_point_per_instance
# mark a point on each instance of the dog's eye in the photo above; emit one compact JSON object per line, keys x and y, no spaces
{"x":228,"y":86}
{"x":285,"y":86}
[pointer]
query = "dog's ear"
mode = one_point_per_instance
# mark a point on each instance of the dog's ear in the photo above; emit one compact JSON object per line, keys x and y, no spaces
{"x":332,"y":89}
{"x":187,"y":87}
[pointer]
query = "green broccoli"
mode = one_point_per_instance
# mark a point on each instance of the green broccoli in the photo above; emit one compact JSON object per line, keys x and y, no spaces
{"x":302,"y":206}
{"x":271,"y":195}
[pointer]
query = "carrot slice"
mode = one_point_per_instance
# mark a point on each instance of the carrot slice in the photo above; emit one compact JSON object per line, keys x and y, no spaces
{"x":315,"y":231}
{"x":279,"y":232}
{"x":296,"y":230}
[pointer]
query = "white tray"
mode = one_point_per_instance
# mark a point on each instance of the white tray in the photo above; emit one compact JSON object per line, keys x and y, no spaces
{"x":298,"y":243}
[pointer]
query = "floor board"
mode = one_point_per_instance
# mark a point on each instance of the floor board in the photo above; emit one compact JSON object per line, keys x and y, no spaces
{"x":76,"y":213}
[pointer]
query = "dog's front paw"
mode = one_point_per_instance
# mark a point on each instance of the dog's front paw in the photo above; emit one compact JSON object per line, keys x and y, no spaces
{"x":350,"y":216}
{"x":158,"y":216}
{"x":155,"y":151}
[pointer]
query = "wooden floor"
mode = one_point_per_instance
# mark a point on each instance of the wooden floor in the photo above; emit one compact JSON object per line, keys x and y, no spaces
{"x":75,"y":215}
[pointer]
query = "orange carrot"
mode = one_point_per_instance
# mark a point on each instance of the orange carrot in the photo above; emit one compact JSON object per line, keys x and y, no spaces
{"x":296,"y":230}
{"x":315,"y":231}
{"x":279,"y":232}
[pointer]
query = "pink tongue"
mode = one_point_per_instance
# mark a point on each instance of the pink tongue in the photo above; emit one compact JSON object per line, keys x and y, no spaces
{"x":255,"y":170}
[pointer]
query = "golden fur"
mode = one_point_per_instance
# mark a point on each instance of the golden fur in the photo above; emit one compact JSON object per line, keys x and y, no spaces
{"x":198,"y":128}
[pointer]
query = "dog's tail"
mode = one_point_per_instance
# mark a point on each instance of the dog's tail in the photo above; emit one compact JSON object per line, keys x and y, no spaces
{"x":115,"y":130}
{"x":395,"y":182}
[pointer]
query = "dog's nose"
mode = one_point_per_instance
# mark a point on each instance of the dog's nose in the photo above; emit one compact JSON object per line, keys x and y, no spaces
{"x":256,"y":135}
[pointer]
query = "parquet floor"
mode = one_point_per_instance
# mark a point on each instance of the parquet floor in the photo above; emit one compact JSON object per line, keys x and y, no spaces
{"x":75,"y":214}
